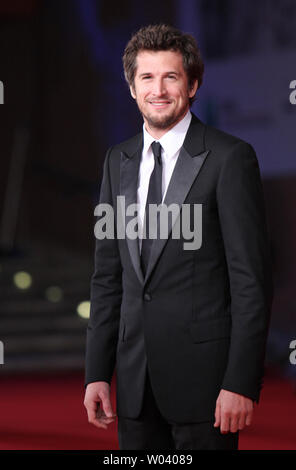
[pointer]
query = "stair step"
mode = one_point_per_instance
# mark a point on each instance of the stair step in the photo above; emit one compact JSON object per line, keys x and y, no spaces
{"x":49,"y":343}
{"x":40,"y":363}
{"x":32,"y":308}
{"x":23,"y":326}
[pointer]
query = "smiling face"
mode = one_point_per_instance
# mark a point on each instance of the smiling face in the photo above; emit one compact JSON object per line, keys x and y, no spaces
{"x":161,"y":90}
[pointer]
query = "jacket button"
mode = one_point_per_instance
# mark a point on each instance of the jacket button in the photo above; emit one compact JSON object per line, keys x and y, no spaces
{"x":147,"y":296}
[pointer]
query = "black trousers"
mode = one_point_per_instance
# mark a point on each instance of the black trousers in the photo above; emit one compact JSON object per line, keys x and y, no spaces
{"x":151,"y":431}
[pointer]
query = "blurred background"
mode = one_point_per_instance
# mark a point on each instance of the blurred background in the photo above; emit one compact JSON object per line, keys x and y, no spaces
{"x":64,"y":102}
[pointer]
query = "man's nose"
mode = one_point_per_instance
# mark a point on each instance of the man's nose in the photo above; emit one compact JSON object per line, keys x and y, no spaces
{"x":159,"y":87}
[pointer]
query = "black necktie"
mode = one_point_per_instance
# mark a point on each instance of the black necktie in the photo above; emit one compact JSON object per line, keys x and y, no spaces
{"x":154,"y":197}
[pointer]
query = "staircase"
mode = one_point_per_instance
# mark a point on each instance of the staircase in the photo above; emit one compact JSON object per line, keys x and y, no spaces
{"x":40,"y":334}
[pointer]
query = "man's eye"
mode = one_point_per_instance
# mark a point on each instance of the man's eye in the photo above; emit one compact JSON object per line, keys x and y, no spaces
{"x":172,"y":76}
{"x":146,"y":77}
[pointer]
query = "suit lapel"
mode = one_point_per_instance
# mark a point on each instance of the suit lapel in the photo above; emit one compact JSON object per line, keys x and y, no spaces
{"x":129,"y":170}
{"x":185,"y":172}
{"x":191,"y":158}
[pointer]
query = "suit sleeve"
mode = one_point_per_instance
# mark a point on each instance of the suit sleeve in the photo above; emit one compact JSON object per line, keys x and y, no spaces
{"x":105,"y":300}
{"x":242,"y":218}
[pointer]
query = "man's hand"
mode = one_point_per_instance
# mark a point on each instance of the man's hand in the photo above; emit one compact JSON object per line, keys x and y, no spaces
{"x":233,"y":411}
{"x":98,"y":405}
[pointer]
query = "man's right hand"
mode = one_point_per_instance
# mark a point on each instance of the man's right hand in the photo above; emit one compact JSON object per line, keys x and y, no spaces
{"x":98,"y":404}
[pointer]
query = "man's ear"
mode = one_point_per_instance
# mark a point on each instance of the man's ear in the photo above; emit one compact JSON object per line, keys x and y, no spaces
{"x":193,"y":89}
{"x":132,"y":90}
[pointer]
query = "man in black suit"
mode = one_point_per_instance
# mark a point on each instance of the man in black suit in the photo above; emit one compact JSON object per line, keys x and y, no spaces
{"x":184,"y":327}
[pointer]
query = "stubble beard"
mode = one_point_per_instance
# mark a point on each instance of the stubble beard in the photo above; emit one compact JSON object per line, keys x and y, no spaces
{"x":163,"y":122}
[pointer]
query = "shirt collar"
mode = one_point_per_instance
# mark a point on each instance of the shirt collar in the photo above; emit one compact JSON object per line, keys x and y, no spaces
{"x":172,"y":140}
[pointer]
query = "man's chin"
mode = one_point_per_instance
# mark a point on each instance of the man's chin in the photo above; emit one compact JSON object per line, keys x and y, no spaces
{"x":161,"y":122}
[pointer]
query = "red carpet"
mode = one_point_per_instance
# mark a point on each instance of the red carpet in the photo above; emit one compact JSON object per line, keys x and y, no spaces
{"x":47,"y":412}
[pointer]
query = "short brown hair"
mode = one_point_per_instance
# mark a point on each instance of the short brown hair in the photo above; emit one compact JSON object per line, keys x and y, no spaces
{"x":162,"y":37}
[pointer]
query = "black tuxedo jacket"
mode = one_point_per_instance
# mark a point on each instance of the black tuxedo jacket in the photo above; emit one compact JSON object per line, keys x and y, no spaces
{"x":199,"y":318}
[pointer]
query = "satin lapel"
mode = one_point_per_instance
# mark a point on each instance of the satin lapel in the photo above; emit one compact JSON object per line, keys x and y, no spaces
{"x":184,"y":174}
{"x":129,"y":169}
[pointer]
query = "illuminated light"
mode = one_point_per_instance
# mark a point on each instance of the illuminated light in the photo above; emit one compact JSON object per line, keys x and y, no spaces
{"x":83,"y":309}
{"x":22,"y":280}
{"x":54,"y":294}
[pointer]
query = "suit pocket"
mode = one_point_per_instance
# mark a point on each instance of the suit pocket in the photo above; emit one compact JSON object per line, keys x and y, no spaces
{"x":209,"y":330}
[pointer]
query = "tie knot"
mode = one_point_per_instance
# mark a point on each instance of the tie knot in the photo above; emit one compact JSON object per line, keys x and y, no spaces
{"x":156,"y":149}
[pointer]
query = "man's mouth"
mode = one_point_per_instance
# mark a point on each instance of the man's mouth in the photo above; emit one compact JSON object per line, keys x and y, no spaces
{"x":160,"y":103}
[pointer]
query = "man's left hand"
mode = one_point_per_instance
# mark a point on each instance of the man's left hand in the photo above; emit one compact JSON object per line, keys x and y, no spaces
{"x":233,"y":411}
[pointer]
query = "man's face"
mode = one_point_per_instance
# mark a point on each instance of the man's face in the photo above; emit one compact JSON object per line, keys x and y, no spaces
{"x":161,"y":89}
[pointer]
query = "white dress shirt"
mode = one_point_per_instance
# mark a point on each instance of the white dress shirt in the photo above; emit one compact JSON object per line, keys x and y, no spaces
{"x":171,"y":143}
